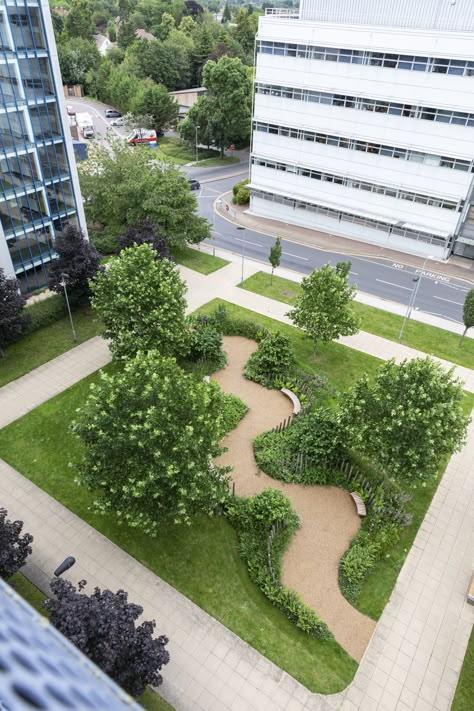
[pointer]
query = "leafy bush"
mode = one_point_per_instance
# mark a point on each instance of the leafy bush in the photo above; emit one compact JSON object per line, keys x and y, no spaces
{"x":241,"y":193}
{"x":45,"y":312}
{"x":272,"y":360}
{"x":104,"y":243}
{"x":229,"y":326}
{"x":254,"y":518}
{"x":206,"y":344}
{"x":234,"y":410}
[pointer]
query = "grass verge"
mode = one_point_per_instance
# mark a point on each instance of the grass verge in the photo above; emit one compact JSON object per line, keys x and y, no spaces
{"x":199,"y":261}
{"x":152,"y":701}
{"x":428,"y":339}
{"x":463,"y":698}
{"x":177,"y":151}
{"x":41,"y":346}
{"x":217,"y":162}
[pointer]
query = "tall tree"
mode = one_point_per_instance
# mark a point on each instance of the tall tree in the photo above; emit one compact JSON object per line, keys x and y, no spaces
{"x":408,"y":418}
{"x":121,"y":187}
{"x":150,"y":431}
{"x":226,"y":15}
{"x":13,"y":320}
{"x":167,"y":25}
{"x":275,"y":256}
{"x":166,"y":62}
{"x":203,"y":46}
{"x":323,"y":310}
{"x":14,"y":547}
{"x":78,"y":22}
{"x":103,"y":626}
{"x":77,"y":56}
{"x":79,"y":260}
{"x":155,"y":109}
{"x":226,"y":105}
{"x":126,"y":34}
{"x":141,"y":302}
{"x":468,"y":313}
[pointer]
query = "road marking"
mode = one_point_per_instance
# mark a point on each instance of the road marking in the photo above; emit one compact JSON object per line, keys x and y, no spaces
{"x":408,"y":288}
{"x":354,"y":273}
{"x":448,"y":300}
{"x":296,"y":256}
{"x":246,"y":241}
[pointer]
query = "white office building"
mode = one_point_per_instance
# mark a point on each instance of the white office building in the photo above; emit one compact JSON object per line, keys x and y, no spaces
{"x":363,"y":122}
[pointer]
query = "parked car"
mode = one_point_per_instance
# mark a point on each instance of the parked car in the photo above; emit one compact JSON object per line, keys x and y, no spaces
{"x":71,"y":110}
{"x":112,"y":113}
{"x":194,"y":184}
{"x":120,"y":121}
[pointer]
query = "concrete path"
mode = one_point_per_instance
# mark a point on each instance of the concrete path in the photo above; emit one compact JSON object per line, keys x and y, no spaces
{"x":414,"y":658}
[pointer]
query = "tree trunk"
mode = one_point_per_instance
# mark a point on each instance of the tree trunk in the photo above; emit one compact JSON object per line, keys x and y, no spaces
{"x":271,"y":277}
{"x":222,"y":151}
{"x":2,"y":352}
{"x":462,"y":337}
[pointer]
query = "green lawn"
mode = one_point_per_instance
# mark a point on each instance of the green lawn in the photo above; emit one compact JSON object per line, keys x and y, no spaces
{"x":37,"y":348}
{"x":177,"y":151}
{"x":199,"y":261}
{"x":463,"y":698}
{"x":216,"y":162}
{"x":150,"y":700}
{"x":428,"y":339}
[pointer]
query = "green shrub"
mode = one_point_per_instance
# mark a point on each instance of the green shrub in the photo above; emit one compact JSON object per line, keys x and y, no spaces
{"x":272,"y":361}
{"x":104,"y":243}
{"x":230,"y":326}
{"x":234,"y":410}
{"x":241,"y":193}
{"x":206,"y":344}
{"x":253,"y":519}
{"x":45,"y":312}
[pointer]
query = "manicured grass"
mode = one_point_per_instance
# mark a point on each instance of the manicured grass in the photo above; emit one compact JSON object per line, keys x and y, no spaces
{"x":199,"y":261}
{"x":463,"y":698}
{"x":216,"y":162}
{"x":37,"y":348}
{"x":428,"y":339}
{"x":152,"y":701}
{"x":28,"y":592}
{"x":177,"y":151}
{"x":202,"y":560}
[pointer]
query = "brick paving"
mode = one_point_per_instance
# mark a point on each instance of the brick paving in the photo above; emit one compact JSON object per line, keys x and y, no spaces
{"x":414,"y":658}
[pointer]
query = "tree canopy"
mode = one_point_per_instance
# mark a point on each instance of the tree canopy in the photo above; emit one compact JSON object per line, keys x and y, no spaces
{"x":79,"y":260}
{"x":103,"y":626}
{"x":468,"y":312}
{"x":275,"y":255}
{"x":323,"y":310}
{"x":150,"y":432}
{"x":121,"y":187}
{"x":154,"y":109}
{"x":408,"y":419}
{"x":146,"y":233}
{"x":13,"y":319}
{"x":141,"y":302}
{"x":15,"y":547}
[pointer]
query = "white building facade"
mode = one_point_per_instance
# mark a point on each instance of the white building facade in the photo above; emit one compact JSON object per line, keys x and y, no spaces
{"x":363,"y":122}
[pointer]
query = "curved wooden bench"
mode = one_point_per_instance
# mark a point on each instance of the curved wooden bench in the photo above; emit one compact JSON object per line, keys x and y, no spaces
{"x":360,"y":506}
{"x":294,"y":399}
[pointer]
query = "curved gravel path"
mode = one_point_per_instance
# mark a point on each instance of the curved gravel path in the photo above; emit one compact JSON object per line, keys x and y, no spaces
{"x":327,"y":513}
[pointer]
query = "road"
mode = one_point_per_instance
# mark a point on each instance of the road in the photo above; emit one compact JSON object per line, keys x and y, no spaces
{"x":437,"y":294}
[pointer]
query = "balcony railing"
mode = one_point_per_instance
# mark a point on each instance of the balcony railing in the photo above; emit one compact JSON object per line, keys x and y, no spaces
{"x":283,"y":12}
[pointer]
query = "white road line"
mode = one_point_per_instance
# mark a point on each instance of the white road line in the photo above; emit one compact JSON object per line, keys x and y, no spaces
{"x":354,"y":273}
{"x":408,"y":288}
{"x":237,"y":239}
{"x":448,"y":300}
{"x":296,"y":256}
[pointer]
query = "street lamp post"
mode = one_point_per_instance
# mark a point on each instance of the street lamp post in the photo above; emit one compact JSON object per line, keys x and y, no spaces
{"x":417,"y":282}
{"x":219,"y":202}
{"x":63,"y":283}
{"x":243,"y":253}
{"x":197,"y":151}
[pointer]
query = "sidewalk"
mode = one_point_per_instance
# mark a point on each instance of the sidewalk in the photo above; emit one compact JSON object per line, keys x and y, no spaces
{"x":238,"y":214}
{"x":414,"y":658}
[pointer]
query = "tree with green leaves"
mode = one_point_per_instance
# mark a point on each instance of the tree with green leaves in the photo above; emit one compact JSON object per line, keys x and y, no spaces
{"x":167,"y":25}
{"x":407,"y":418}
{"x":121,"y":187}
{"x":226,"y":15}
{"x":78,"y":22}
{"x":167,"y":63}
{"x":468,"y":313}
{"x":13,"y":319}
{"x":323,"y":309}
{"x":150,"y":432}
{"x":77,"y":57}
{"x":126,"y":34}
{"x":154,"y":109}
{"x":226,"y":106}
{"x":275,"y":256}
{"x":141,"y":302}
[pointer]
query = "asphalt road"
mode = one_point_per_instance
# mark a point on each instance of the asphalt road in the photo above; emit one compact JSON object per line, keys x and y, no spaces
{"x":437,"y":294}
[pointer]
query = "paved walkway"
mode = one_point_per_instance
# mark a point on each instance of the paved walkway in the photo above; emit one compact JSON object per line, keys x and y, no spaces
{"x":414,"y":658}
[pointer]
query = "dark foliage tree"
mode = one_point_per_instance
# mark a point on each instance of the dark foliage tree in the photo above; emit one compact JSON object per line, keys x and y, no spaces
{"x":468,"y":313}
{"x":79,"y":260}
{"x":146,"y":232}
{"x":14,"y":547}
{"x":103,"y":627}
{"x":126,"y":34}
{"x":193,"y":8}
{"x":78,"y":22}
{"x":227,"y":15}
{"x":13,"y":321}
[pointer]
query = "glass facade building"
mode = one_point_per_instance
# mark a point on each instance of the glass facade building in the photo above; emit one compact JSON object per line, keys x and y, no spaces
{"x":39,"y":190}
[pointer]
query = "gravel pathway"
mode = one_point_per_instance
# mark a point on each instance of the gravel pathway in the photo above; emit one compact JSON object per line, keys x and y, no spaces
{"x":327,"y":513}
